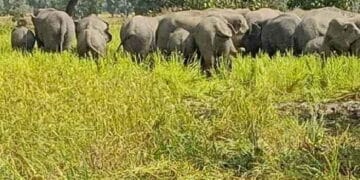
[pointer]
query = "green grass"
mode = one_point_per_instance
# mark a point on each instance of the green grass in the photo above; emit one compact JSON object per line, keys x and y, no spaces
{"x":62,"y":118}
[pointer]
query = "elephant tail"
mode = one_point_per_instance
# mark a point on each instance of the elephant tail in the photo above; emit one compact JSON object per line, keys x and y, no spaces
{"x":63,"y":32}
{"x":124,"y":40}
{"x":88,"y":37}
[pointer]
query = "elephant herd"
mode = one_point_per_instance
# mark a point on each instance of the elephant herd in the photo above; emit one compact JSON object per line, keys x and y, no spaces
{"x":222,"y":33}
{"x":55,"y":31}
{"x":211,"y":34}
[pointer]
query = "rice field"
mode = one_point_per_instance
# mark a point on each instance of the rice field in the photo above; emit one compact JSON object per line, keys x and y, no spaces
{"x":62,"y":118}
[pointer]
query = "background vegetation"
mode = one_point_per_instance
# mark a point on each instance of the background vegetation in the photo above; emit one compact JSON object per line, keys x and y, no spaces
{"x":61,"y":118}
{"x":85,"y":7}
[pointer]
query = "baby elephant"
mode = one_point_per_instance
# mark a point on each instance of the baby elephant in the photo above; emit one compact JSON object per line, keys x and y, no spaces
{"x":22,"y":38}
{"x":92,"y":35}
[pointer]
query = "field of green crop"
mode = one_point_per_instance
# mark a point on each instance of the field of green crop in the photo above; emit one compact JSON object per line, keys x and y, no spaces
{"x":61,"y":118}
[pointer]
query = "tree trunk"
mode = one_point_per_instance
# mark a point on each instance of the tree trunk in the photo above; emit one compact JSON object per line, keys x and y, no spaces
{"x":70,"y":8}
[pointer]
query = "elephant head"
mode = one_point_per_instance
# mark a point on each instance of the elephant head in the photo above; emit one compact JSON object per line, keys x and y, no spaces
{"x":341,"y":34}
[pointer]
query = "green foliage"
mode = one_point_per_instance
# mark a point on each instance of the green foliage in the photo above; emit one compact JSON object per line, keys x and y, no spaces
{"x":61,"y":118}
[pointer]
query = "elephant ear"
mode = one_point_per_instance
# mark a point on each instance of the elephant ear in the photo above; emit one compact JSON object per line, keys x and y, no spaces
{"x":107,"y":32}
{"x":254,"y":29}
{"x":241,"y":26}
{"x":223,"y":31}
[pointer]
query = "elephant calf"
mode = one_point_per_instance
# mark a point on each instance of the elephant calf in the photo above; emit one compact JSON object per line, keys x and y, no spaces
{"x":22,"y":38}
{"x":92,"y":35}
{"x":213,"y":37}
{"x":314,"y":46}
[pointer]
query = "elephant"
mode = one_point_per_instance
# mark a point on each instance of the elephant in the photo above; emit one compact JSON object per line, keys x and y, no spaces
{"x":341,"y":34}
{"x":188,"y":20}
{"x":314,"y":24}
{"x":315,"y":46}
{"x":54,"y":29}
{"x":277,"y":33}
{"x":92,"y":35}
{"x":22,"y":38}
{"x":355,"y":48}
{"x":251,"y":41}
{"x":91,"y":44}
{"x":177,"y":40}
{"x":138,"y":36}
{"x":213,"y":38}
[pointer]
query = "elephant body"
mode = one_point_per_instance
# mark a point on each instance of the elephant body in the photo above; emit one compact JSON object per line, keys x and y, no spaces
{"x":213,"y":38}
{"x":341,"y":35}
{"x":186,"y":20}
{"x":138,"y":35}
{"x":256,"y":20}
{"x":355,"y":48}
{"x":91,"y":43}
{"x":177,"y":40}
{"x":22,"y":38}
{"x":314,"y":46}
{"x":315,"y":24}
{"x":54,"y":29}
{"x":277,"y":34}
{"x":92,"y":35}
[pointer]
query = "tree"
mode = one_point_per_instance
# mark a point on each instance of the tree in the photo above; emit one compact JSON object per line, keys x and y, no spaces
{"x":70,"y":8}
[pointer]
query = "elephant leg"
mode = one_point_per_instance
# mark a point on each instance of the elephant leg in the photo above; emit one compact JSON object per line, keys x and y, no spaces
{"x":207,"y":62}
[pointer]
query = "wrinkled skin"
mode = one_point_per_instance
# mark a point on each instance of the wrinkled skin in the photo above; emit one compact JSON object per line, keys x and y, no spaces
{"x":177,"y":40}
{"x":315,"y":24}
{"x":341,"y":34}
{"x":54,"y":29}
{"x":251,"y":41}
{"x":91,"y":43}
{"x":188,"y":20}
{"x":277,"y":34}
{"x":138,"y":35}
{"x":22,"y":38}
{"x":92,"y":35}
{"x":355,"y":48}
{"x":298,"y":12}
{"x":314,"y":46}
{"x":213,"y":38}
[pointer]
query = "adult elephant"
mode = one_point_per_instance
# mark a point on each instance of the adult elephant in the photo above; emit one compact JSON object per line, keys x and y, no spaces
{"x":342,"y":35}
{"x":315,"y":24}
{"x":54,"y":29}
{"x":256,"y":20}
{"x":138,"y":35}
{"x":213,"y":38}
{"x":277,"y":34}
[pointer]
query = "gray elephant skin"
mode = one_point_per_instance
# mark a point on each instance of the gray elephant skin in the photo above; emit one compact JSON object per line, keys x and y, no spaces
{"x":213,"y":38}
{"x":315,"y":24}
{"x":188,"y":20}
{"x":92,"y":36}
{"x":256,"y":20}
{"x":277,"y":34}
{"x":341,"y":34}
{"x":54,"y":30}
{"x":177,"y":40}
{"x":22,"y":38}
{"x":315,"y":46}
{"x":138,"y":35}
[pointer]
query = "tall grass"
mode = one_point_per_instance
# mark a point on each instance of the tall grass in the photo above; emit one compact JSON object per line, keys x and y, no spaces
{"x":62,"y":118}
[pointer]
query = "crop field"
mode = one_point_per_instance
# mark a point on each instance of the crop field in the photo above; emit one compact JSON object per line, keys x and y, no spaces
{"x":63,"y":118}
